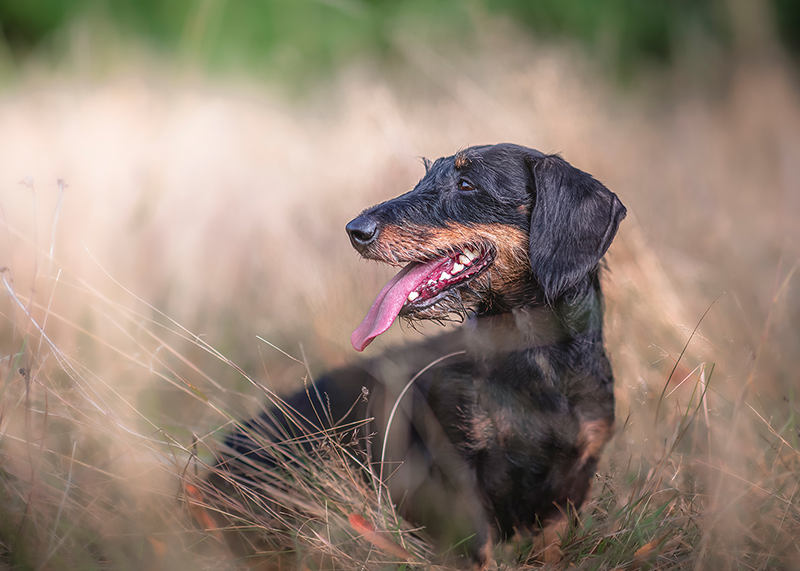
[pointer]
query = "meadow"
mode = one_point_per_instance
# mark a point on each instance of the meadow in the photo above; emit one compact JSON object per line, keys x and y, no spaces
{"x":174,"y":255}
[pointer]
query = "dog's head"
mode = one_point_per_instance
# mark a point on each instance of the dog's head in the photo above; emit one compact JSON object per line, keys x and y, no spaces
{"x":488,"y":229}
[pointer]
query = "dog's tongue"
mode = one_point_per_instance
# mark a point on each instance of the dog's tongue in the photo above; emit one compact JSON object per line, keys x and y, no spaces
{"x":389,"y":302}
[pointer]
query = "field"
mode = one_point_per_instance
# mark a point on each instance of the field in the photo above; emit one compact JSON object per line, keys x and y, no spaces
{"x":173,"y":251}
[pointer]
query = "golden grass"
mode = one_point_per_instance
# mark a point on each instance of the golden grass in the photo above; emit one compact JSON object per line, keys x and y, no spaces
{"x":197,"y":216}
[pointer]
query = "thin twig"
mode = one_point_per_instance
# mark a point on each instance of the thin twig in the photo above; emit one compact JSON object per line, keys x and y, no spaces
{"x":394,"y":410}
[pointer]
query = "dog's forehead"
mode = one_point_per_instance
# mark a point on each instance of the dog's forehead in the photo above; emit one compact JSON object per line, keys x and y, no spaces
{"x":439,"y":172}
{"x":484,"y":159}
{"x":500,"y":172}
{"x":472,"y":156}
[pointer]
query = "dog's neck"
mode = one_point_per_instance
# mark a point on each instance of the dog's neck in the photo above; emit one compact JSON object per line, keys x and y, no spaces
{"x":536,"y":323}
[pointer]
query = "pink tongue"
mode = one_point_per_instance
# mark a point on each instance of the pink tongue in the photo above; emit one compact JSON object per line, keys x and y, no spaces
{"x":389,"y":302}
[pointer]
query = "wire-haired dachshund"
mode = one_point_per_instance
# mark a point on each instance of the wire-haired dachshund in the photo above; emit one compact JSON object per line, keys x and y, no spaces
{"x":508,"y":413}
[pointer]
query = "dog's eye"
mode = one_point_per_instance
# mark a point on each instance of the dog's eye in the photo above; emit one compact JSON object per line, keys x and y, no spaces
{"x":464,"y":185}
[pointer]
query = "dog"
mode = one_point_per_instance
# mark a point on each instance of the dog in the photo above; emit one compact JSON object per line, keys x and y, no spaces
{"x":507,"y":414}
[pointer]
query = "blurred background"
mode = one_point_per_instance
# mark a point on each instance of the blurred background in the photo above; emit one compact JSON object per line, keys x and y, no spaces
{"x":175,"y":178}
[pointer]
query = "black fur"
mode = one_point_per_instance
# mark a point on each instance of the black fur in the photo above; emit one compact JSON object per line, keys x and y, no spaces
{"x":506,"y":430}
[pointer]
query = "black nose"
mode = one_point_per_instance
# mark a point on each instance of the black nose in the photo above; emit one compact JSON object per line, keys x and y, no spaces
{"x":362,"y":231}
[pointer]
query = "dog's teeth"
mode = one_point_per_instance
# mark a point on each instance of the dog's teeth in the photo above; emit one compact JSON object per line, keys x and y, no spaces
{"x":457,"y":268}
{"x":471,"y":254}
{"x":413,"y":295}
{"x":444,"y":276}
{"x":464,"y":260}
{"x":431,"y":282}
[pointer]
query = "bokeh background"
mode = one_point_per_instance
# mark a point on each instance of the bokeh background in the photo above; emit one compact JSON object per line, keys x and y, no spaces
{"x":175,"y":178}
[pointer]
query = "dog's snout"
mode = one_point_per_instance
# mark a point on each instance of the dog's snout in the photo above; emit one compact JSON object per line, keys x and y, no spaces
{"x":362,"y":231}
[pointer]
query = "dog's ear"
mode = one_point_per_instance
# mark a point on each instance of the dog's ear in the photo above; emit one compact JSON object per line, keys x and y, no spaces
{"x":573,"y":221}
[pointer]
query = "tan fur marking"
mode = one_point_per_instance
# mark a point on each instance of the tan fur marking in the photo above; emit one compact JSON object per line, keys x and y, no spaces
{"x":485,"y":555}
{"x":480,"y":427}
{"x":593,"y":436}
{"x":544,"y":365}
{"x":551,"y":536}
{"x":505,"y":426}
{"x":462,"y":160}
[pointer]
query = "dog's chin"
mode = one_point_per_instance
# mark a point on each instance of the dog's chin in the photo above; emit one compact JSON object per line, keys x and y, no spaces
{"x":451,"y":305}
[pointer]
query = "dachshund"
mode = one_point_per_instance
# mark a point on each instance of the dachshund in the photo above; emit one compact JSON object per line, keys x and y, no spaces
{"x":508,"y":413}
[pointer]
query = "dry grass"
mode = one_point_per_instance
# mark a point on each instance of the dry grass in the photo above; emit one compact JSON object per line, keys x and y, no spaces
{"x":195,"y":217}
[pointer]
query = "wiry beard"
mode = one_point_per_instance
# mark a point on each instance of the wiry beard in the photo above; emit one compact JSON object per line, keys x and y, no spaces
{"x":450,"y":306}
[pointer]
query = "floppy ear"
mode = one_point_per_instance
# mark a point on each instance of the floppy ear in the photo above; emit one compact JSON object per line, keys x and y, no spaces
{"x":573,"y":222}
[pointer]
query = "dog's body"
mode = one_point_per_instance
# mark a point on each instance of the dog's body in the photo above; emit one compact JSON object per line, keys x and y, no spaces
{"x":513,"y":408}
